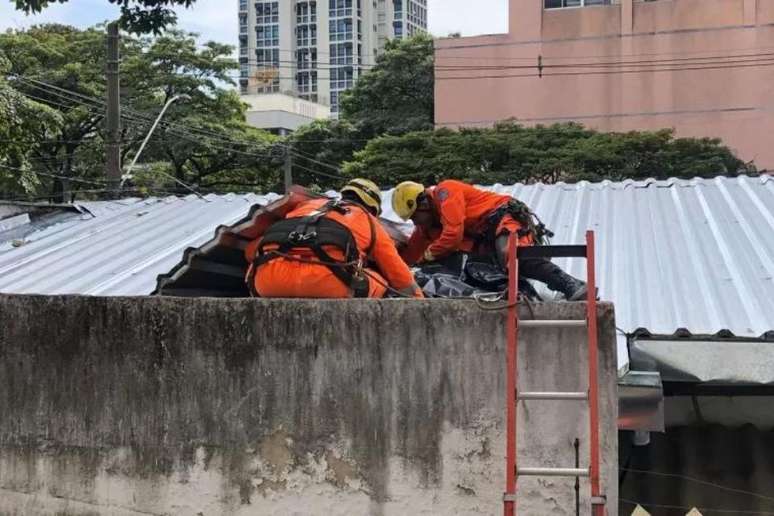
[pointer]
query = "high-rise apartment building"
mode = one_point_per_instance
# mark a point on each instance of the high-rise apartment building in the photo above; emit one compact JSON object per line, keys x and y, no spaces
{"x":316,"y":49}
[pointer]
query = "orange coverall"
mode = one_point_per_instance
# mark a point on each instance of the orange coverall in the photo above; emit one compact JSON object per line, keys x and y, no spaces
{"x":463,"y":211}
{"x":283,"y":277}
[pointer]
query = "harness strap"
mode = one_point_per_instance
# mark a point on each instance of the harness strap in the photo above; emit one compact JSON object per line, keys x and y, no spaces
{"x":313,"y":232}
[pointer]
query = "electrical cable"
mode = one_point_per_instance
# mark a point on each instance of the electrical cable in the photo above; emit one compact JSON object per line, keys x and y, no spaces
{"x":188,"y":131}
{"x":315,"y":161}
{"x":608,"y":72}
{"x":699,"y":481}
{"x":604,"y":56}
{"x":73,"y":179}
{"x":647,"y":62}
{"x":317,"y":172}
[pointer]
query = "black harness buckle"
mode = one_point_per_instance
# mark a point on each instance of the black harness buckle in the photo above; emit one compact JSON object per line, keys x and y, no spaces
{"x":301,"y":238}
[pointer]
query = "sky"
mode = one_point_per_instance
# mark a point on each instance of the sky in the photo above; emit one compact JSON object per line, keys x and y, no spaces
{"x":217,"y":19}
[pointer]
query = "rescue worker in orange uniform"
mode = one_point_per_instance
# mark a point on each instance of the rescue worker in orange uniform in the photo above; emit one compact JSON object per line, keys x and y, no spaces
{"x":454,"y":216}
{"x":331,"y":249}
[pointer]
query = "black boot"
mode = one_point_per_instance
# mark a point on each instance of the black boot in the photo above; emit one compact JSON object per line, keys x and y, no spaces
{"x":554,"y":277}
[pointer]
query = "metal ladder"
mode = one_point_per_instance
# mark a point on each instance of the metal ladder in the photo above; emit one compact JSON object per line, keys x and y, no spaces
{"x":513,"y":470}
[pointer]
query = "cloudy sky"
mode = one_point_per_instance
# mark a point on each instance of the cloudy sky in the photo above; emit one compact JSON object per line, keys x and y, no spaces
{"x":217,"y":19}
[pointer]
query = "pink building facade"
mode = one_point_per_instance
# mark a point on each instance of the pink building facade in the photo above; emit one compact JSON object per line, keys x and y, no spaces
{"x":702,"y":67}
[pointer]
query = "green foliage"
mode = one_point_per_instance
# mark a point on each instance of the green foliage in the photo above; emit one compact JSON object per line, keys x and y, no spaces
{"x":396,"y":95}
{"x":198,"y":133}
{"x":510,"y":153}
{"x":138,"y":16}
{"x":22,"y":121}
{"x":326,"y":141}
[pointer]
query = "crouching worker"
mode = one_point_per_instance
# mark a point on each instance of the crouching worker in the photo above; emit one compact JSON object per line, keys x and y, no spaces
{"x":455,"y":216}
{"x":331,"y":249}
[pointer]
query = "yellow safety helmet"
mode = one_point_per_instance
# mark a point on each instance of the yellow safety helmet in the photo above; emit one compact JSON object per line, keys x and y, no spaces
{"x":405,"y":198}
{"x":367,"y":191}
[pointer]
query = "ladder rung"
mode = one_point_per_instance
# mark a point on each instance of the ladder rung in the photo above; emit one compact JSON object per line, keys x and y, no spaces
{"x":553,"y":395}
{"x":554,"y":472}
{"x":547,"y":323}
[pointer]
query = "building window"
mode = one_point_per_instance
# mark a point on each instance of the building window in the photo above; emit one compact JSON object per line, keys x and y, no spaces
{"x":563,"y":4}
{"x":340,"y":8}
{"x":267,"y":57}
{"x":307,"y":82}
{"x":341,"y":54}
{"x":266,"y":12}
{"x":342,"y":78}
{"x":306,"y":59}
{"x":334,"y":101}
{"x":267,"y":36}
{"x":306,"y":35}
{"x":340,"y":30}
{"x":306,"y":12}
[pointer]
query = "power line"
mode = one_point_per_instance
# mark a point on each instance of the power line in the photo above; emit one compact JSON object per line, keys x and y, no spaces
{"x":589,"y":56}
{"x":135,"y":116}
{"x":318,"y":173}
{"x":191,"y":132}
{"x":606,"y":72}
{"x":315,"y":161}
{"x":46,"y":174}
{"x":294,"y":64}
{"x":642,"y":63}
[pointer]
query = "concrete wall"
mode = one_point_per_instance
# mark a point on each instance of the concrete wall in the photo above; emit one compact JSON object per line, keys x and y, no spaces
{"x":134,"y":406}
{"x":735,"y":104}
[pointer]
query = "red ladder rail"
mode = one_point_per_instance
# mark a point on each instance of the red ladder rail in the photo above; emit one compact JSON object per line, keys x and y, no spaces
{"x":512,"y":396}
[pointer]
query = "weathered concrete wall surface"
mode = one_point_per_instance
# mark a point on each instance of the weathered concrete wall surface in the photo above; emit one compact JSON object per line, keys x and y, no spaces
{"x":198,"y":406}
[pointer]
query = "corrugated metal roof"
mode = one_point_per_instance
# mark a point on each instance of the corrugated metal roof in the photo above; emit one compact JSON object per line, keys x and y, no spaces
{"x":116,"y":247}
{"x":695,"y":254}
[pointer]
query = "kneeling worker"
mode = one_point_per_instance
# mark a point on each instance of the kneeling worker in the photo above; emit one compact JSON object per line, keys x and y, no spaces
{"x":455,"y":216}
{"x":324,"y":248}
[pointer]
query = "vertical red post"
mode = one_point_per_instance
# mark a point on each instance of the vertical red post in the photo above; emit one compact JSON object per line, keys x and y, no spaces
{"x":511,"y":379}
{"x":591,"y":307}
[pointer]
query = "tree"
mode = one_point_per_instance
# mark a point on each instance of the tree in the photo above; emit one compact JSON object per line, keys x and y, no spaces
{"x":510,"y":153}
{"x":139,"y":16}
{"x":66,"y":58}
{"x":203,"y":139}
{"x":323,"y":141}
{"x":22,"y":121}
{"x":394,"y":97}
{"x":397,"y":95}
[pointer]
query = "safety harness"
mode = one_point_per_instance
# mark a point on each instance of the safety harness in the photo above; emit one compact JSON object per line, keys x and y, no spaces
{"x":530,"y":222}
{"x":315,"y":232}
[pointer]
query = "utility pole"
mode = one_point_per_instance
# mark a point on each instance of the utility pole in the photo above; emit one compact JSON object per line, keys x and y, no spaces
{"x":288,"y":169}
{"x":113,"y":112}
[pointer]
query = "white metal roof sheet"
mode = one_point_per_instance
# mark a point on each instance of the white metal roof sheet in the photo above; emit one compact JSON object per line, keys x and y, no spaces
{"x":119,"y":247}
